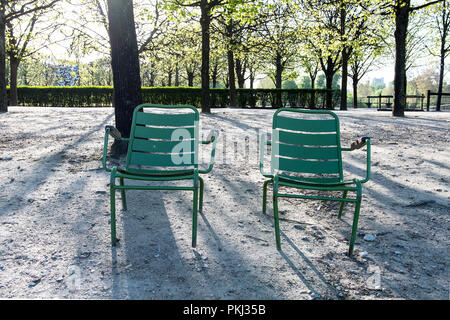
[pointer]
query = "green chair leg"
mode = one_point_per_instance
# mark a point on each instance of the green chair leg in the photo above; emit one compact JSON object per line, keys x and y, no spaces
{"x":342,"y":204}
{"x":194,"y":216}
{"x":264,"y":205}
{"x":113,"y":215}
{"x":122,"y":192}
{"x":355,"y":221}
{"x":201,"y":194}
{"x":276,"y":219}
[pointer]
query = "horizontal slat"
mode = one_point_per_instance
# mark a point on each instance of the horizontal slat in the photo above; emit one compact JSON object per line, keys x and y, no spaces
{"x":304,"y":166}
{"x":163,"y":133}
{"x":306,"y":125}
{"x":161,"y":160}
{"x":309,"y":179}
{"x":166,"y":119}
{"x":162,"y":146}
{"x":305,"y":139}
{"x":307,"y":152}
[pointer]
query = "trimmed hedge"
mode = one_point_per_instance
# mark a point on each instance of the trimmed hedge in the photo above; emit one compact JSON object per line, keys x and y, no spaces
{"x":246,"y":98}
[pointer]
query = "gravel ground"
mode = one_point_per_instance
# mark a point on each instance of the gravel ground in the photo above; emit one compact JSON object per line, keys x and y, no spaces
{"x":54,"y":216}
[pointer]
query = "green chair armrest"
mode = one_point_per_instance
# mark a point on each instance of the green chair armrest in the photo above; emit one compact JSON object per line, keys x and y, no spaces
{"x":113,"y":132}
{"x":212,"y":137}
{"x":358,"y":144}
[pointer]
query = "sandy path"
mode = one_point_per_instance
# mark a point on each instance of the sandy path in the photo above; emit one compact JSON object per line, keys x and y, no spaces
{"x":54,"y":217}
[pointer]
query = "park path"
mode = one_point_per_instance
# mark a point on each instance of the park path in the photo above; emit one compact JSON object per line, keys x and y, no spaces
{"x":54,"y":214}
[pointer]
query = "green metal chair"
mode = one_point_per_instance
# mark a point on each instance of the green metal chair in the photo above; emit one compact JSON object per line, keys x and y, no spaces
{"x":163,"y":146}
{"x":306,"y":154}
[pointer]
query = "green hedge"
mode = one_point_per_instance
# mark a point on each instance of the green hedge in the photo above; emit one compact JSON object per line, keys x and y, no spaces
{"x":246,"y":98}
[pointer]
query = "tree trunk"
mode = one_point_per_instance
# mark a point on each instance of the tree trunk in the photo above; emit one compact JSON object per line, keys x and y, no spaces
{"x":313,"y":80}
{"x":231,"y":79}
{"x":3,"y":103}
{"x":205,"y":22}
{"x":329,"y":85}
{"x":252,"y":78}
{"x":125,"y":67}
{"x":14,"y":67}
{"x":278,"y":79}
{"x":169,"y":79}
{"x":278,"y":71}
{"x":345,"y":56}
{"x":355,"y":91}
{"x":190,"y":76}
{"x":344,"y":79}
{"x":177,"y":75}
{"x":230,"y":57}
{"x":240,"y":73}
{"x":152,"y":75}
{"x":401,"y":27}
{"x":214,"y":75}
{"x":441,"y":76}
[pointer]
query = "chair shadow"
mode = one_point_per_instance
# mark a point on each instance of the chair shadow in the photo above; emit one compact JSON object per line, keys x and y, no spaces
{"x":147,"y":249}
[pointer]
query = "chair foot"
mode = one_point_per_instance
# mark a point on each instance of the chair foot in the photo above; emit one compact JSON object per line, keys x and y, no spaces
{"x":200,"y":207}
{"x":194,"y":216}
{"x":264,"y":205}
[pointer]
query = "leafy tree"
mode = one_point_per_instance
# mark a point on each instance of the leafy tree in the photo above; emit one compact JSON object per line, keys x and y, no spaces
{"x":361,"y":62}
{"x":401,"y":10}
{"x":206,"y":8}
{"x":23,"y":42}
{"x":8,"y":14}
{"x":442,"y":50}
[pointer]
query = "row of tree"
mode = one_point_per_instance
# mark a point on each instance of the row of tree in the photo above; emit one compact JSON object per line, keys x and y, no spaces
{"x":229,"y":41}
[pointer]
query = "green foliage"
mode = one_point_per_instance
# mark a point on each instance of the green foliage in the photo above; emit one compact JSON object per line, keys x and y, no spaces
{"x":289,"y":84}
{"x":96,"y":96}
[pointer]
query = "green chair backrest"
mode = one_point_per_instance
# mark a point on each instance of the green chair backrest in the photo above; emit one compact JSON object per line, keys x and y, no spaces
{"x":306,"y":145}
{"x":163,"y":138}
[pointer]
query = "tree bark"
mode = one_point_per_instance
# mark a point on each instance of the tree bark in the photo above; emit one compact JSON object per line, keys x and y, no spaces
{"x":214,"y":75}
{"x":345,"y":57}
{"x":401,"y":27}
{"x":125,"y":67}
{"x":240,"y":73}
{"x":231,"y":77}
{"x":313,"y":81}
{"x":252,"y":79}
{"x":355,"y":91}
{"x":205,"y":22}
{"x":177,"y":75}
{"x":329,"y":85}
{"x":278,"y":71}
{"x":278,"y":79}
{"x":441,"y":69}
{"x":14,"y":67}
{"x":3,"y":103}
{"x":169,"y":79}
{"x":190,"y":77}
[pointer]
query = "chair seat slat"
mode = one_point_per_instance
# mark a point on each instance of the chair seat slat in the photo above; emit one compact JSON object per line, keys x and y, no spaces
{"x":304,"y":166}
{"x":162,"y":160}
{"x":162,"y":146}
{"x":308,"y":152}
